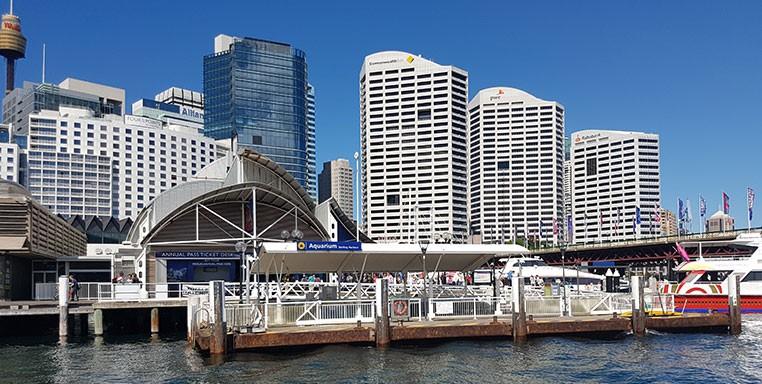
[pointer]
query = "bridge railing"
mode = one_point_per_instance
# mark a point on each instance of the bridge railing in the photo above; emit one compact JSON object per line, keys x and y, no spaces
{"x":469,"y":307}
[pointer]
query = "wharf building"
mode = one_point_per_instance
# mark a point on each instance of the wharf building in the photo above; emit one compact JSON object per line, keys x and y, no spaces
{"x":31,"y":240}
{"x":336,"y":181}
{"x":258,"y":91}
{"x":615,"y":175}
{"x":516,"y":166}
{"x":414,"y":151}
{"x":190,"y":232}
{"x":81,"y":161}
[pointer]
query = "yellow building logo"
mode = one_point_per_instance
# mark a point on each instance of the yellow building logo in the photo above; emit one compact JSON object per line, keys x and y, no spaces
{"x":300,"y":245}
{"x":410,"y":59}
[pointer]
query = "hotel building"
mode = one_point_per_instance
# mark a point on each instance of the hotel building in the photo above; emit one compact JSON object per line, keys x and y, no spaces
{"x":414,"y":149}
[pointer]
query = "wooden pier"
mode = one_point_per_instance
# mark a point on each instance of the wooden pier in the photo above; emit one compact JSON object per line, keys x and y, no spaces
{"x":209,"y":336}
{"x":286,"y":337}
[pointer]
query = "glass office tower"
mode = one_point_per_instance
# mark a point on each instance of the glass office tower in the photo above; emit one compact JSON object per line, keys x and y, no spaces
{"x":258,"y":89}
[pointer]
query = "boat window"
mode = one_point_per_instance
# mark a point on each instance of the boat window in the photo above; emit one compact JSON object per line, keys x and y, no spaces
{"x":753,"y":276}
{"x":713,"y":276}
{"x":532,"y":263}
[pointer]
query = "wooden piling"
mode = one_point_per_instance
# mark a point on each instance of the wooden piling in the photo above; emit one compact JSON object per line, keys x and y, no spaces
{"x":154,"y":321}
{"x":734,"y":303}
{"x":63,"y":308}
{"x":519,"y":310}
{"x":218,"y":341}
{"x":382,"y":318}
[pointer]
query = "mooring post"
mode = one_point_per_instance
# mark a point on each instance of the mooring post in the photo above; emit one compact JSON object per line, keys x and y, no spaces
{"x":194,"y":302}
{"x":98,"y":322}
{"x":382,"y":317}
{"x":638,"y":302}
{"x":63,"y":308}
{"x":218,"y":341}
{"x":519,"y":309}
{"x":154,"y":321}
{"x":734,"y":303}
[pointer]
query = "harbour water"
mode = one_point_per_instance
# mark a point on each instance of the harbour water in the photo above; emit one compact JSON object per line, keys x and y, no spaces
{"x":708,"y":358}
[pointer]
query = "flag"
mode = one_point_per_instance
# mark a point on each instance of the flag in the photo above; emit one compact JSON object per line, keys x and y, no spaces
{"x":682,"y":252}
{"x":750,"y":201}
{"x":555,"y":226}
{"x":540,"y":229}
{"x":725,"y":203}
{"x":634,"y":226}
{"x":657,"y":214}
{"x":569,"y":227}
{"x":688,"y":214}
{"x":680,"y":210}
{"x":702,"y":206}
{"x":637,"y":215}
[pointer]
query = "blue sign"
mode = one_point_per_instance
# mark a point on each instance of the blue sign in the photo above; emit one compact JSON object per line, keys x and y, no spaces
{"x":329,"y":246}
{"x":198,"y":255}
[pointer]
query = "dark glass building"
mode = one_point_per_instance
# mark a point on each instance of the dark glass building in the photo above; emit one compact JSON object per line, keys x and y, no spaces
{"x":258,"y":89}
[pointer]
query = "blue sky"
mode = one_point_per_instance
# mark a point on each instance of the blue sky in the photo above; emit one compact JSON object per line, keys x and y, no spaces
{"x":689,"y":71}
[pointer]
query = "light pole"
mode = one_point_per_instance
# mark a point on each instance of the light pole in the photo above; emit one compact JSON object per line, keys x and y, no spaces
{"x":424,"y":244}
{"x":562,"y":247}
{"x":241,"y":247}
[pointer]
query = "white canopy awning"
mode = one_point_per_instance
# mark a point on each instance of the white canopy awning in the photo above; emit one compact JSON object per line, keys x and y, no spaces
{"x":287,"y":258}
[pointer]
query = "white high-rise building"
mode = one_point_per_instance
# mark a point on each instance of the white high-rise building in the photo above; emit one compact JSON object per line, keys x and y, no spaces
{"x":615,"y":174}
{"x":413,"y":140}
{"x":79,"y":164}
{"x":336,"y":181}
{"x":516,"y":166}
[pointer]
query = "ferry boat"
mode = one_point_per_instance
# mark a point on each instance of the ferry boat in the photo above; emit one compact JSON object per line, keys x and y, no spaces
{"x":705,"y":285}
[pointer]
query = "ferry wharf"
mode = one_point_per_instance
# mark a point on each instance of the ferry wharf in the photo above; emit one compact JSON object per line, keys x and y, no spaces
{"x":218,"y":327}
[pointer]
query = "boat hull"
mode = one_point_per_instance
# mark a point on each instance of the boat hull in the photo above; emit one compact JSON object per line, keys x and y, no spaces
{"x":717,"y":303}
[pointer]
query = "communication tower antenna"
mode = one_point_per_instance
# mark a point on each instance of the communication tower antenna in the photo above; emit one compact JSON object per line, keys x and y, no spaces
{"x":12,"y":45}
{"x":43,"y":63}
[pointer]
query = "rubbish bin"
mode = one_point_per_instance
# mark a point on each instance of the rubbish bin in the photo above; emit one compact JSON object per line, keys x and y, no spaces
{"x":328,"y":292}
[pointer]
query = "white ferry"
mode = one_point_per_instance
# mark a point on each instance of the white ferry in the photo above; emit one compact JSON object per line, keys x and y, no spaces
{"x":705,"y":285}
{"x":536,"y":273}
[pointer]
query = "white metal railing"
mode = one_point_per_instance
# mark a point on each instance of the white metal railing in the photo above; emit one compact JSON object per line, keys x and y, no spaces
{"x":468,"y":307}
{"x":320,"y":312}
{"x":544,"y":306}
{"x":240,"y":316}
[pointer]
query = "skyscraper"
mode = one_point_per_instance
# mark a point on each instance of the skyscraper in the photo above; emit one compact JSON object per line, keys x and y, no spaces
{"x":516,"y":166}
{"x":336,"y":181}
{"x":616,"y":182}
{"x":258,"y":90}
{"x":311,"y":160}
{"x":413,"y":142}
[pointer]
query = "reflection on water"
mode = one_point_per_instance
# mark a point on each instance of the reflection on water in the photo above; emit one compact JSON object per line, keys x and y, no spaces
{"x":655,"y":358}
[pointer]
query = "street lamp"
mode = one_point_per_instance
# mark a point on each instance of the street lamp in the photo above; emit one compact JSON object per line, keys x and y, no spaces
{"x":241,"y":247}
{"x":562,"y":247}
{"x":424,"y":244}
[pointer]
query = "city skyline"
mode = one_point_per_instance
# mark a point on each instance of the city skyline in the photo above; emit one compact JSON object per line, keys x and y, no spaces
{"x":607,"y":75}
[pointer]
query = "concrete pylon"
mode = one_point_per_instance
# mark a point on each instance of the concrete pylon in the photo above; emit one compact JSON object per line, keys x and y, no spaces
{"x":63,"y":308}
